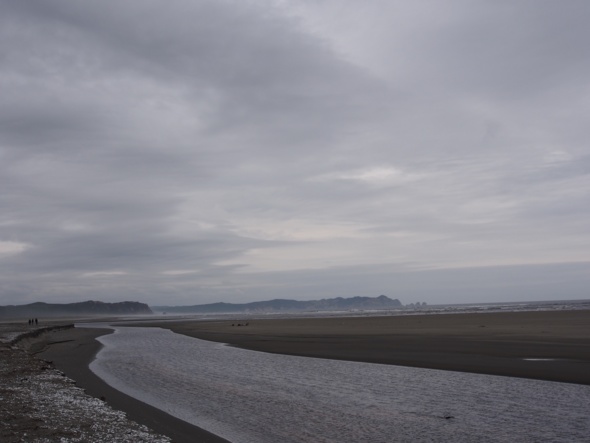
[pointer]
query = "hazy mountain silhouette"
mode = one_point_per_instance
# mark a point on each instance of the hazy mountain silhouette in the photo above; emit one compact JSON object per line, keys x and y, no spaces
{"x":281,"y":305}
{"x":41,"y":309}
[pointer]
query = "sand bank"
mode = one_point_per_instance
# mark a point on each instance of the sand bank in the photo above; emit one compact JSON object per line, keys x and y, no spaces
{"x":73,"y":350}
{"x":550,"y":345}
{"x":40,"y":404}
{"x":545,"y":345}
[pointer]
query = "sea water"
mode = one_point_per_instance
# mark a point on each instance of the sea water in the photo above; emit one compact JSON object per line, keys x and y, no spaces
{"x":249,"y":396}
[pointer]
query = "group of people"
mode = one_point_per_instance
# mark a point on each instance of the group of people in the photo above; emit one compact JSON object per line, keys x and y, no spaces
{"x":33,"y":322}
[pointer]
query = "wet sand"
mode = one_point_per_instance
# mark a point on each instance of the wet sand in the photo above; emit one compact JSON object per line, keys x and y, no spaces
{"x":73,"y":350}
{"x":545,"y":345}
{"x":557,"y":342}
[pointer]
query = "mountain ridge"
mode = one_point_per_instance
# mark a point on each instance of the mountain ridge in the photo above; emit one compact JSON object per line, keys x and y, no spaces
{"x":285,"y":305}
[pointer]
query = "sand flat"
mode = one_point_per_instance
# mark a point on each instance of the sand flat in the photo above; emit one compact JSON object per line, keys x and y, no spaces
{"x":547,"y":345}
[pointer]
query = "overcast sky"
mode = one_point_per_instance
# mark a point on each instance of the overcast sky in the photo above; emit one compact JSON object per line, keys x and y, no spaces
{"x":193,"y":151}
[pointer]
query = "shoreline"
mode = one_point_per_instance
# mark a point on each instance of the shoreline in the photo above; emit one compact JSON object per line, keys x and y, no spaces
{"x":72,"y":351}
{"x":40,"y":403}
{"x":543,"y":345}
{"x":547,"y":345}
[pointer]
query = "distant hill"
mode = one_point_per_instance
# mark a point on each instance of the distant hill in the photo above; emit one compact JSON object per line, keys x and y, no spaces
{"x":279,"y":305}
{"x":86,"y":308}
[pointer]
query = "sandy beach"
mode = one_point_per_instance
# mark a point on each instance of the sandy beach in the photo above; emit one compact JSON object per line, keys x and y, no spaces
{"x":549,"y":345}
{"x":73,"y":350}
{"x":68,"y":352}
{"x":545,"y":345}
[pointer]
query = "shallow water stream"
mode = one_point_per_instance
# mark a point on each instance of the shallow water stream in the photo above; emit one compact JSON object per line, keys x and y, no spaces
{"x":248,"y":396}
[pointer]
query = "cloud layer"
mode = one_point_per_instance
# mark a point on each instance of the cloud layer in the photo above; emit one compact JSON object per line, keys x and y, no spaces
{"x":195,"y":151}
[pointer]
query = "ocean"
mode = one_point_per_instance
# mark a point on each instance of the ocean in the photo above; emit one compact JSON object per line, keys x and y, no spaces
{"x":254,"y":397}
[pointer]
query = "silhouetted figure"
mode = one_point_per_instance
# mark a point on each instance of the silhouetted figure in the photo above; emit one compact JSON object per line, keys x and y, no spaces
{"x":36,"y":321}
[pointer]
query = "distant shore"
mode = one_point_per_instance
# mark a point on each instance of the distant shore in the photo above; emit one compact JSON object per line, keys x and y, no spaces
{"x":545,"y":345}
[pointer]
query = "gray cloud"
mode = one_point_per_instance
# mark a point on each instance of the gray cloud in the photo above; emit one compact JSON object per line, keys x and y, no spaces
{"x":188,"y":152}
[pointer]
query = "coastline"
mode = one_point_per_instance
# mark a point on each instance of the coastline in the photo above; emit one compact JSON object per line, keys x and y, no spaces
{"x":41,"y":404}
{"x":73,"y":350}
{"x":543,"y":345}
{"x":556,"y":342}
